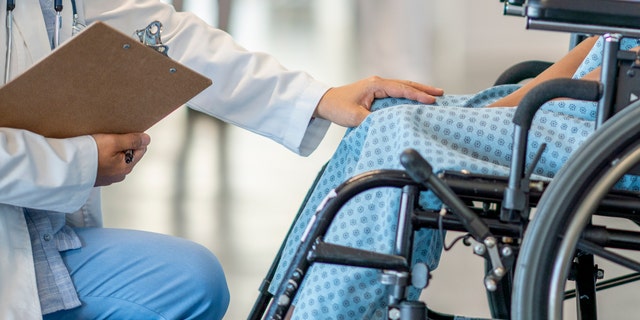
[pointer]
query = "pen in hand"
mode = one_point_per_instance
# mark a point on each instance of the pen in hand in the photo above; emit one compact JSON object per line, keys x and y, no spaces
{"x":112,"y":148}
{"x":128,"y":156}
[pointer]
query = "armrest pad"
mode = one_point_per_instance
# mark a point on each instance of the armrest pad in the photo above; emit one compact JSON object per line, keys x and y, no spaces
{"x":617,"y":13}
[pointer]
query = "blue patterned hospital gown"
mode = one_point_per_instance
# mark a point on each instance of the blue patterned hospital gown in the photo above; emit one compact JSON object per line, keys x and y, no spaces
{"x":453,"y":134}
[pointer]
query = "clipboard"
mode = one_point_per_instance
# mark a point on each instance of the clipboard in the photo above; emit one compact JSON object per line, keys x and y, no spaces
{"x":100,"y":81}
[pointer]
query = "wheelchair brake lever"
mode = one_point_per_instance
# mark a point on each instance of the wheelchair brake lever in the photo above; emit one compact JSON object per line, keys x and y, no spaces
{"x":422,"y":172}
{"x":534,"y":163}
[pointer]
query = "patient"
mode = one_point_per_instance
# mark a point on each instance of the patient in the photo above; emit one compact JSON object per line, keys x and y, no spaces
{"x":457,"y":132}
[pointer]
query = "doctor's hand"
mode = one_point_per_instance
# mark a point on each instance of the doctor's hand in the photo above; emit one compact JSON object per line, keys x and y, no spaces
{"x":112,"y":166}
{"x":349,"y":105}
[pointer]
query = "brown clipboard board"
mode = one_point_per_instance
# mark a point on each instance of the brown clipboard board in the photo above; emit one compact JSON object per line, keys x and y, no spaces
{"x":100,"y":81}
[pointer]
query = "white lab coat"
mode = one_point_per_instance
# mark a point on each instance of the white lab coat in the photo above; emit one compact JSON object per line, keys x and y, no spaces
{"x":250,"y":90}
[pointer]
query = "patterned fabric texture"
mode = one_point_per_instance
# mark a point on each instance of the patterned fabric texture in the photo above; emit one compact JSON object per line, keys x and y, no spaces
{"x":453,"y":134}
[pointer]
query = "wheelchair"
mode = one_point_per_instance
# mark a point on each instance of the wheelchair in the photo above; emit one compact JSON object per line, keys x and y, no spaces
{"x":539,"y":239}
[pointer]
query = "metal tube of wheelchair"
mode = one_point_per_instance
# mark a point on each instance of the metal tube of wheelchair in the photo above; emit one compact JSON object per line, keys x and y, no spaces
{"x":404,"y":233}
{"x":510,"y":9}
{"x":264,"y":296}
{"x":608,"y":74}
{"x":318,"y":226}
{"x":515,"y":200}
{"x":612,"y":238}
{"x":422,"y":172}
{"x":609,"y":255}
{"x":413,"y":310}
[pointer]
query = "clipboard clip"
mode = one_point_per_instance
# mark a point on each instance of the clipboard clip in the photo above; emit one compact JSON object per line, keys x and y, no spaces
{"x":150,"y":36}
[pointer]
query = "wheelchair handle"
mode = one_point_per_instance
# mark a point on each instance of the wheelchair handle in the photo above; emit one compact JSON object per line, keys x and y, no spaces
{"x":557,"y":88}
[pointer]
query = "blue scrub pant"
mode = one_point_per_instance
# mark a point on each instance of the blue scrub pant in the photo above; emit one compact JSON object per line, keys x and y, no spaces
{"x":127,"y":274}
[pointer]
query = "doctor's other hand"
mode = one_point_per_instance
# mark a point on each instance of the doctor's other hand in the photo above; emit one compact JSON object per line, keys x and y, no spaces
{"x":349,"y":105}
{"x":112,"y":166}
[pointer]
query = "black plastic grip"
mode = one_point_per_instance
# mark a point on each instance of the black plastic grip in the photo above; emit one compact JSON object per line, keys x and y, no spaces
{"x":417,"y":167}
{"x":522,"y":71}
{"x":557,"y":88}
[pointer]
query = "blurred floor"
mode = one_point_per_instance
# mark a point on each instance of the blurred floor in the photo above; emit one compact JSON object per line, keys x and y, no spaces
{"x":245,"y":220}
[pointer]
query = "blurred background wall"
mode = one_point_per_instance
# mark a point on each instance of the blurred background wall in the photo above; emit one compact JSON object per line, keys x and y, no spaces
{"x":237,"y":193}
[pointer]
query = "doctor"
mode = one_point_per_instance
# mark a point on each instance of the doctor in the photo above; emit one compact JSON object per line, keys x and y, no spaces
{"x":55,"y":259}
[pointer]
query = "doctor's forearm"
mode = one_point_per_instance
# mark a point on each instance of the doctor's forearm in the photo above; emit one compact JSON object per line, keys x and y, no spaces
{"x":48,"y":174}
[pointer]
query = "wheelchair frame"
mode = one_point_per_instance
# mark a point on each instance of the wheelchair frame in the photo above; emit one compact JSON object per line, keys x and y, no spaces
{"x":495,"y":211}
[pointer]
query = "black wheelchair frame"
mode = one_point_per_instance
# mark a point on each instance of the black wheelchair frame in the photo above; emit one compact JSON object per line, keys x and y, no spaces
{"x":526,"y":269}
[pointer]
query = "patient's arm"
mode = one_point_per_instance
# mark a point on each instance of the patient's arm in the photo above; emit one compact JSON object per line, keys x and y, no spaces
{"x":563,"y":68}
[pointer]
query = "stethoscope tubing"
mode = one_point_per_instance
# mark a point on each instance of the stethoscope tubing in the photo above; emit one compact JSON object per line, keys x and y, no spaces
{"x":11,"y":4}
{"x":57,"y":6}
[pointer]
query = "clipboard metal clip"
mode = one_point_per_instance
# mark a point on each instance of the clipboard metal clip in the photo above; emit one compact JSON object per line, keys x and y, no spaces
{"x":150,"y":36}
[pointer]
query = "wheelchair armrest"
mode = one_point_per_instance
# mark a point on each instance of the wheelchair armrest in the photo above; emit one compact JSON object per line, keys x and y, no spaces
{"x":522,"y":71}
{"x":613,"y":13}
{"x":515,"y":202}
{"x":551,"y":89}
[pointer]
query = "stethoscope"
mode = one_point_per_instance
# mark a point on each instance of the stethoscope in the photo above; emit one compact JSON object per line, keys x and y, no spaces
{"x":11,"y":4}
{"x":57,"y":6}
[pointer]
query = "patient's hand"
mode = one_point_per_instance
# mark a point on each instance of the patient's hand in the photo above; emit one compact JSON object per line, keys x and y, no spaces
{"x":112,"y":166}
{"x":349,"y":105}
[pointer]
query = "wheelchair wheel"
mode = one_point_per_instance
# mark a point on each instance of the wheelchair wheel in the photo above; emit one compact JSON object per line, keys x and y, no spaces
{"x":566,"y":209}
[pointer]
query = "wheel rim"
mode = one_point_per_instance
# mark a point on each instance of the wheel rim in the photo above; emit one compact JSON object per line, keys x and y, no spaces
{"x":588,"y":164}
{"x":578,"y":223}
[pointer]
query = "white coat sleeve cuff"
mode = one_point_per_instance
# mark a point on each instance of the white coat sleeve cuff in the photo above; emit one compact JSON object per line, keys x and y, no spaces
{"x":47,"y":174}
{"x":303,"y":137}
{"x":87,"y":160}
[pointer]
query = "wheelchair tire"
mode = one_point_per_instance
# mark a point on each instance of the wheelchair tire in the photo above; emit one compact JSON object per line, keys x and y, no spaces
{"x":579,"y":183}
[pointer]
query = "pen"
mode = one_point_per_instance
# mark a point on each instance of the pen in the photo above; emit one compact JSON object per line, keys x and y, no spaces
{"x":128,"y":156}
